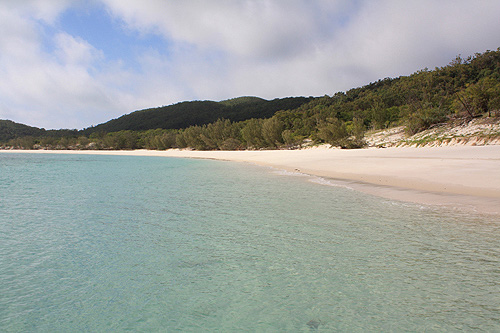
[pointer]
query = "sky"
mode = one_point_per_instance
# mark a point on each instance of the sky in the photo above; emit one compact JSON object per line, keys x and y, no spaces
{"x":75,"y":63}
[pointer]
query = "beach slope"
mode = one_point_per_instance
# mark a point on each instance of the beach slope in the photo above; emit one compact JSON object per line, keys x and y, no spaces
{"x":466,"y":176}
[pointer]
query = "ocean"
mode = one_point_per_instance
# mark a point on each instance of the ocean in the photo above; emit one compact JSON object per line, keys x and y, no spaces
{"x":126,"y":243}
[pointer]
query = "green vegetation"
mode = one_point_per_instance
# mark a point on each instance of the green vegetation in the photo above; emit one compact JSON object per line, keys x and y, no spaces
{"x":464,"y":89}
{"x":11,"y":130}
{"x":185,"y":114}
{"x":242,"y":100}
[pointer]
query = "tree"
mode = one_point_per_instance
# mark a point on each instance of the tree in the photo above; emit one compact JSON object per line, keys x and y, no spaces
{"x":251,"y":133}
{"x":121,"y":140}
{"x":214,"y":135}
{"x":158,"y":139}
{"x":479,"y":98}
{"x":271,"y":131}
{"x":192,"y":138}
{"x":356,"y":128}
{"x":291,"y":139}
{"x":423,"y":118}
{"x":334,"y":132}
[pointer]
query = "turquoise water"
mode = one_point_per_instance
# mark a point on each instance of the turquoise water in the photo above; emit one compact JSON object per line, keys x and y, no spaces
{"x":114,"y":243}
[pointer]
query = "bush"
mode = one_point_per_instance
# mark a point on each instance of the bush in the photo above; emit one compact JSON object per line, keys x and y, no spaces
{"x":423,"y":119}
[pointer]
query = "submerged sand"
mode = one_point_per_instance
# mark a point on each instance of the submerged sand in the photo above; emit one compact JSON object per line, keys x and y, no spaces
{"x":465,"y":177}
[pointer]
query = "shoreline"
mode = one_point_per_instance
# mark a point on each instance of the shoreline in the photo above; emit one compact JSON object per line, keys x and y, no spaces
{"x":464,"y":177}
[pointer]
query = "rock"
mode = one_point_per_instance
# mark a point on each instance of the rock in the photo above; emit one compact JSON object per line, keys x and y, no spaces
{"x":313,"y":324}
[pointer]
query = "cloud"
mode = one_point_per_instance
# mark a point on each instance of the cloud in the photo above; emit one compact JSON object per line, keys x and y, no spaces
{"x":317,"y":46}
{"x":244,"y":28}
{"x":50,"y":89}
{"x":222,"y":49}
{"x":44,"y":10}
{"x":268,"y":48}
{"x":391,"y":38}
{"x":73,"y":51}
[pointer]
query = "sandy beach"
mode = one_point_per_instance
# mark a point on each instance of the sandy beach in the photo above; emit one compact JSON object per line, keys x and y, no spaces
{"x":464,"y":177}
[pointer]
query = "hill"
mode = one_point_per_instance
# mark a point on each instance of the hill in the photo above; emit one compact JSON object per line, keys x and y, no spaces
{"x":10,"y":130}
{"x":241,"y":100}
{"x":185,"y":114}
{"x":459,"y":93}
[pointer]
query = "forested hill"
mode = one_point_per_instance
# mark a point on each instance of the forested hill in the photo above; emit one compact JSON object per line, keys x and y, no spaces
{"x":462,"y":91}
{"x":10,"y":130}
{"x":185,"y":114}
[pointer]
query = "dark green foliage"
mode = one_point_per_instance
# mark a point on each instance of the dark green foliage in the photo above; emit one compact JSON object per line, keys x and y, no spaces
{"x":251,"y":134}
{"x":121,"y":140}
{"x":216,"y":135}
{"x":185,"y":114}
{"x":292,"y":139}
{"x":230,"y":144}
{"x":479,"y":98}
{"x":271,"y":132}
{"x":158,"y":139}
{"x":348,"y":135}
{"x":423,"y":119}
{"x":334,"y":132}
{"x":242,"y":100}
{"x":15,"y":133}
{"x":466,"y":88}
{"x":11,"y":130}
{"x":356,"y":128}
{"x":192,"y":136}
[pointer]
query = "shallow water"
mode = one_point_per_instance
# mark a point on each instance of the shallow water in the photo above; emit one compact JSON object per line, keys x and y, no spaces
{"x":96,"y":243}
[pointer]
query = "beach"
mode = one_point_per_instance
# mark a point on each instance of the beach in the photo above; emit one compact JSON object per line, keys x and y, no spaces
{"x":464,"y":177}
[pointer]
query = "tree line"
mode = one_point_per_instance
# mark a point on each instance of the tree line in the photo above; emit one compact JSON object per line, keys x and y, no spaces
{"x":464,"y":89}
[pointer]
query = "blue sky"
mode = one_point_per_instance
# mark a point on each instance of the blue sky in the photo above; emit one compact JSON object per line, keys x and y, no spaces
{"x":109,"y":34}
{"x":76,"y":63}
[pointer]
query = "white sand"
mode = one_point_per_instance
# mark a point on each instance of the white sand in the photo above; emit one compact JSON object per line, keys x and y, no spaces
{"x":459,"y":176}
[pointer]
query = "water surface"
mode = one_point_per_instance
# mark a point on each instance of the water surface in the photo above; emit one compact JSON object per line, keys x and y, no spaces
{"x":100,"y":243}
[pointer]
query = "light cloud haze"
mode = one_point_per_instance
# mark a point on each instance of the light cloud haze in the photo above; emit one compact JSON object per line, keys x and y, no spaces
{"x":73,"y":64}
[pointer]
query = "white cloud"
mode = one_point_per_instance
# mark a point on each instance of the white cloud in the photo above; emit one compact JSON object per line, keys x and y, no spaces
{"x":318,"y":46}
{"x":18,"y":36}
{"x":247,"y":28}
{"x":221,"y":49}
{"x":391,"y":38}
{"x":45,"y":10}
{"x":73,"y":51}
{"x":45,"y":89}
